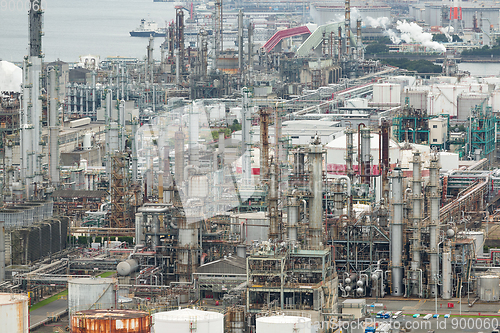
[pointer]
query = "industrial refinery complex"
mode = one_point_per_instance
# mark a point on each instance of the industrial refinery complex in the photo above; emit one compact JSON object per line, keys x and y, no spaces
{"x":262,"y":168}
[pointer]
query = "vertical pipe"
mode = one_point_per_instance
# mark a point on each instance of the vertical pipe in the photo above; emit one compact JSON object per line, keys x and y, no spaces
{"x":349,"y":166}
{"x":264,"y":142}
{"x":434,"y":221}
{"x":2,"y":251}
{"x":240,"y":41}
{"x":447,"y":274}
{"x":53,"y":130}
{"x":365,"y":156}
{"x":179,"y":157}
{"x":347,"y":26}
{"x":292,"y":218}
{"x":273,"y":204}
{"x":246,"y":143}
{"x":397,"y":232}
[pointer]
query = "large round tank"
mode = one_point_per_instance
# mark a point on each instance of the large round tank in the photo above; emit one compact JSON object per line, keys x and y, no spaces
{"x":14,"y":313}
{"x":104,"y":321}
{"x":489,"y":289}
{"x":336,"y":152}
{"x":185,"y":320}
{"x":91,"y":293}
{"x":126,"y":267}
{"x":198,"y":186}
{"x":87,"y":140}
{"x":284,"y":324}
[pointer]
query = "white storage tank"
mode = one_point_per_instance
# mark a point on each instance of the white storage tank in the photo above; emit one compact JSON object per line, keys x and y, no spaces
{"x":468,"y":101}
{"x":253,"y":226}
{"x":284,"y":324}
{"x":489,"y":289}
{"x":14,"y":313}
{"x":478,"y":237}
{"x":386,"y":94}
{"x":126,"y":267}
{"x":91,"y":293}
{"x":188,"y":320}
{"x":336,"y":152}
{"x":87,"y":140}
{"x":198,"y":186}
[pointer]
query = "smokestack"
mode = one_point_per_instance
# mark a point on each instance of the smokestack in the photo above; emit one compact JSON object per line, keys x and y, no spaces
{"x":397,"y":232}
{"x":347,"y":26}
{"x":358,"y":39}
{"x":240,"y":41}
{"x":316,"y":183}
{"x":434,"y":222}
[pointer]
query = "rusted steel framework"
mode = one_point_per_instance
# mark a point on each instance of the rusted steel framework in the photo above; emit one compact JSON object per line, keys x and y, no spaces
{"x":120,"y":194}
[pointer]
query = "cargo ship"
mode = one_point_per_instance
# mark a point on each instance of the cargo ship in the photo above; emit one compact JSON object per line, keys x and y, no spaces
{"x":147,"y":29}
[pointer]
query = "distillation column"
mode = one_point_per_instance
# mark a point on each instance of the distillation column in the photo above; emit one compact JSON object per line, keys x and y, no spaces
{"x":264,"y":144}
{"x":447,"y":271}
{"x":53,"y":130}
{"x":349,"y":163}
{"x":292,"y":218}
{"x":397,"y":232}
{"x":316,"y":183}
{"x":365,"y":155}
{"x":179,"y":157}
{"x":274,"y":232}
{"x":246,"y":142}
{"x":417,"y":200}
{"x":434,"y":222}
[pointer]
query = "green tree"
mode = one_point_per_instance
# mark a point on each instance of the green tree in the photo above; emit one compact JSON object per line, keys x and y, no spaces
{"x":440,"y":38}
{"x":376,"y":48}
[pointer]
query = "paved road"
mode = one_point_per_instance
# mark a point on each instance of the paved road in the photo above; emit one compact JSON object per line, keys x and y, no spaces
{"x":48,"y":310}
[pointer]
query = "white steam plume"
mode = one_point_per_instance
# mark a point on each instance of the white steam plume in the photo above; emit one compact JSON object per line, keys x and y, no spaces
{"x":412,"y":32}
{"x":379,"y":22}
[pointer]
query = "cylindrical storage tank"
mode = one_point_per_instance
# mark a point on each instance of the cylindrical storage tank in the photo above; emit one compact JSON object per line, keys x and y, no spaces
{"x":185,"y":320}
{"x":387,"y":94}
{"x":241,"y":251}
{"x":198,"y":186}
{"x":126,"y":267}
{"x":336,"y":153}
{"x":489,"y":288}
{"x":14,"y":313}
{"x":284,"y":324}
{"x":91,"y":293}
{"x":25,"y":215}
{"x":105,"y":321}
{"x":87,"y":140}
{"x":254,"y":227}
{"x":478,"y":237}
{"x":37,"y":210}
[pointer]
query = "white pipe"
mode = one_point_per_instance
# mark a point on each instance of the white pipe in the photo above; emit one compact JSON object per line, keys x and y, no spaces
{"x":348,"y":181}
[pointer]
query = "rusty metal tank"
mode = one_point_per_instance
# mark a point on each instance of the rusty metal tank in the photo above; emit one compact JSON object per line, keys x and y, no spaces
{"x":111,"y":321}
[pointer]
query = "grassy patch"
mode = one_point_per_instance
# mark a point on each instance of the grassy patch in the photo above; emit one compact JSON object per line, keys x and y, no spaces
{"x":49,"y":300}
{"x":106,"y":274}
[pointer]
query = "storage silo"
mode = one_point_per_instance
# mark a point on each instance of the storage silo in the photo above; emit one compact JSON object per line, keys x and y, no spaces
{"x":489,"y":288}
{"x":283,"y":324}
{"x":109,"y":321}
{"x":91,"y":293}
{"x":188,"y":320}
{"x":14,"y":313}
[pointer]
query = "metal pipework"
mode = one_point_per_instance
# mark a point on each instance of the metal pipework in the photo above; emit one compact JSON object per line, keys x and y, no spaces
{"x":2,"y":251}
{"x":240,"y":41}
{"x":397,"y":232}
{"x":316,"y":184}
{"x":434,"y":221}
{"x":417,"y":200}
{"x":338,"y":198}
{"x":264,"y":142}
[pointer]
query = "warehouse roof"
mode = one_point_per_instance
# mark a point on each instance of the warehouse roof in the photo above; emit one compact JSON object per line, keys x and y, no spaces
{"x":227,"y":265}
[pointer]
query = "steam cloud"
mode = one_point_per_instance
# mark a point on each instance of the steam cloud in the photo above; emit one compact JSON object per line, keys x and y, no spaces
{"x":412,"y":32}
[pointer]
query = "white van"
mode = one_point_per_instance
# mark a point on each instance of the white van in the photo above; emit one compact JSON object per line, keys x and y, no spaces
{"x":427,"y":317}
